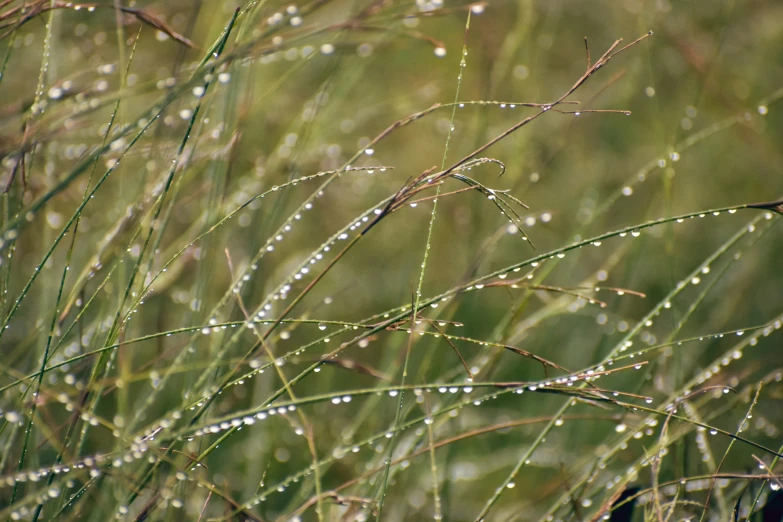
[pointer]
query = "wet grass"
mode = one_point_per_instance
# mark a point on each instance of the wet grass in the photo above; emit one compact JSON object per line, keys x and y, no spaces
{"x":399,"y":262}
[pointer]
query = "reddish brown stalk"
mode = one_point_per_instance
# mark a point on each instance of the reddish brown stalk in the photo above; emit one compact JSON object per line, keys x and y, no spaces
{"x":456,"y":350}
{"x":430,"y":198}
{"x":351,"y":365}
{"x":774,"y":206}
{"x":31,"y":11}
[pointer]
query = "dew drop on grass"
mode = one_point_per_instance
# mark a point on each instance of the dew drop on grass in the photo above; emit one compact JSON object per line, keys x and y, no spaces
{"x":440,"y":52}
{"x":763,"y":110}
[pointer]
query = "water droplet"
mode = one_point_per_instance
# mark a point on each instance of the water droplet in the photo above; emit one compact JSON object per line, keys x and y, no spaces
{"x":440,"y":52}
{"x":763,"y":110}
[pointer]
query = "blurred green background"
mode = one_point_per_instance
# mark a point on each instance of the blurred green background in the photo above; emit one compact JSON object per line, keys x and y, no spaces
{"x":301,"y":89}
